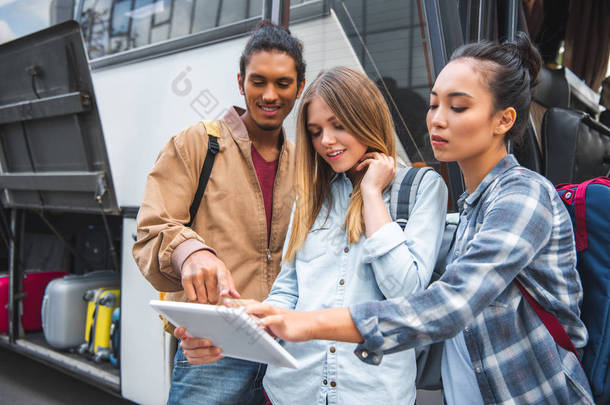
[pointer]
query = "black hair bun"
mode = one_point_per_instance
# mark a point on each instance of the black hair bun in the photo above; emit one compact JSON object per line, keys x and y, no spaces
{"x":530,"y":58}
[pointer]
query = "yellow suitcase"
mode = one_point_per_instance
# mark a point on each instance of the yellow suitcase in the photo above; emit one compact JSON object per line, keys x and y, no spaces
{"x":108,"y":301}
{"x":101,"y":303}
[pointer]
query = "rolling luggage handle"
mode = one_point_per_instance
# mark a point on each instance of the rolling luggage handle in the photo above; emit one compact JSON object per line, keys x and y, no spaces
{"x":86,"y":346}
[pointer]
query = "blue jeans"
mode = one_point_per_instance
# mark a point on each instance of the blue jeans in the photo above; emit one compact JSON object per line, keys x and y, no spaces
{"x":227,"y":381}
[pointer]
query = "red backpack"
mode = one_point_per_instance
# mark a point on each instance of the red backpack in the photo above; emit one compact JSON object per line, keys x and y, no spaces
{"x":588,"y":204}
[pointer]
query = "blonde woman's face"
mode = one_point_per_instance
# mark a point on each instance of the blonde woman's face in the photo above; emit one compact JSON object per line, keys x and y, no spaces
{"x":340,"y":149}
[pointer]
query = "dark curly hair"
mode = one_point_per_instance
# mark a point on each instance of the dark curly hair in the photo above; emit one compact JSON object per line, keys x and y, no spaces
{"x":268,"y":37}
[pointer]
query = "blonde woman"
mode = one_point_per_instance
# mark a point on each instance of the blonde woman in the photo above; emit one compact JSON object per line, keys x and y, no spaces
{"x":342,"y":246}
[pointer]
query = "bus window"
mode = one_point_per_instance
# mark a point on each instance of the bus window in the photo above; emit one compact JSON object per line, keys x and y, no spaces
{"x":113,"y":26}
{"x":22,"y":17}
{"x":390,"y":42}
{"x":400,"y":48}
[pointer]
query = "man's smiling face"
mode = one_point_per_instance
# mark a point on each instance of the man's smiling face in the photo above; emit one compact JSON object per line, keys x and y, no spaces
{"x":270,"y":89}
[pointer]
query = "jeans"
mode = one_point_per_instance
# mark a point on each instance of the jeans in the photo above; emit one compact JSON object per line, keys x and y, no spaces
{"x":227,"y":381}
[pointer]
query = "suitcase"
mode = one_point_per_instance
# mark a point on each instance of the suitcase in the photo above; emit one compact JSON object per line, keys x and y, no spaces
{"x":63,"y":309}
{"x":576,"y":146}
{"x":101,"y":303}
{"x":115,"y":337}
{"x":34,"y":284}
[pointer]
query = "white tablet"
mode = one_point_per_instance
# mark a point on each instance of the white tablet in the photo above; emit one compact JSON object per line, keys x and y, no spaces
{"x":228,"y":328}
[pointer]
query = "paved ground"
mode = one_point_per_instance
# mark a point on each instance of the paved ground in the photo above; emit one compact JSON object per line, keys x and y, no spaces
{"x":26,"y":382}
{"x":429,"y":398}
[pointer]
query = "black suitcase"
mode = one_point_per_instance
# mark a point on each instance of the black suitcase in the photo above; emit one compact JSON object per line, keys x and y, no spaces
{"x":576,"y":147}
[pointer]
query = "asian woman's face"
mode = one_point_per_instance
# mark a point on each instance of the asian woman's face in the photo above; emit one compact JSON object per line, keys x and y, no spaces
{"x":340,"y":149}
{"x":462,"y":123}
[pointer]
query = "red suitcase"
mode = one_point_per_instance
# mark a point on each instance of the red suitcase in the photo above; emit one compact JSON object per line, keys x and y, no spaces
{"x":34,"y":285}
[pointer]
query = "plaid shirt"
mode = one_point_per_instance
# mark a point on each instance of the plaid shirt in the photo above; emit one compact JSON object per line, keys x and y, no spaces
{"x":514,"y":225}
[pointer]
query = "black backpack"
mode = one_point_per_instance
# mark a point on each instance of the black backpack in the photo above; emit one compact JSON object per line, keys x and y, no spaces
{"x":402,"y":200}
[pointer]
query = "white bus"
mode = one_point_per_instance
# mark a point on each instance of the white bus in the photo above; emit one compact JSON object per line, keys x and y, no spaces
{"x":157,"y":66}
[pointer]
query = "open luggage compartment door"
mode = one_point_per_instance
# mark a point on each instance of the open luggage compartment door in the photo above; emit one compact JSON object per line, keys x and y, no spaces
{"x":52,"y":149}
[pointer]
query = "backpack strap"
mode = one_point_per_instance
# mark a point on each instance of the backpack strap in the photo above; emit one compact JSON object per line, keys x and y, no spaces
{"x":402,"y":199}
{"x":213,"y":148}
{"x":550,"y":322}
{"x":404,"y":190}
{"x":580,"y":216}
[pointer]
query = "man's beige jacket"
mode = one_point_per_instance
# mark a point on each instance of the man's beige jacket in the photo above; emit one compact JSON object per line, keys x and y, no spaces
{"x":231,"y":218}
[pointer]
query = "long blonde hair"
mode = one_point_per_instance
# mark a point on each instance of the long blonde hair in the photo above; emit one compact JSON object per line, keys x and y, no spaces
{"x":359,"y":106}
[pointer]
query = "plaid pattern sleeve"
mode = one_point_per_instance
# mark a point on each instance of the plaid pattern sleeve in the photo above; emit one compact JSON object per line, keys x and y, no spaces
{"x":513,"y":225}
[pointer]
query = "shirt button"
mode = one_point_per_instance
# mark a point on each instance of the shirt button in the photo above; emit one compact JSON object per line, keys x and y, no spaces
{"x":467,"y":329}
{"x":332,"y":349}
{"x":478,"y":370}
{"x":364,"y":354}
{"x":341,"y":282}
{"x":333,"y":384}
{"x":346,"y":249}
{"x":325,"y":382}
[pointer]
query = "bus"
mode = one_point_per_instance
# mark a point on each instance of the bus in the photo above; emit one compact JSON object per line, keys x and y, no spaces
{"x":92,"y":90}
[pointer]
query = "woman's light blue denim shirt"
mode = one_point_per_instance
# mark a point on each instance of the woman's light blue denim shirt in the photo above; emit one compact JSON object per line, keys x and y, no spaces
{"x":328,"y":272}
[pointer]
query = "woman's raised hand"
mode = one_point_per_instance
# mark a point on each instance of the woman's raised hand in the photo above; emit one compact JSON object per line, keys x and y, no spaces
{"x":380,"y":173}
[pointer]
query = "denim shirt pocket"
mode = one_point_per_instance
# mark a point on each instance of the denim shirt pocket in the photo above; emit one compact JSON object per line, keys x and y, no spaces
{"x":319,"y":241}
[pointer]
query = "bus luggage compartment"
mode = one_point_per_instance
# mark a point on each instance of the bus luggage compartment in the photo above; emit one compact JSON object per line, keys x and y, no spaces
{"x":64,"y":310}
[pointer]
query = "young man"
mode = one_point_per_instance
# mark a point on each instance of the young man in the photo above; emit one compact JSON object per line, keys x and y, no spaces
{"x":234,"y":245}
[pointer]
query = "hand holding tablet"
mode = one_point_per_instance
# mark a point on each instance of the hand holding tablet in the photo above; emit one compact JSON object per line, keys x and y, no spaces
{"x":232,"y":329}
